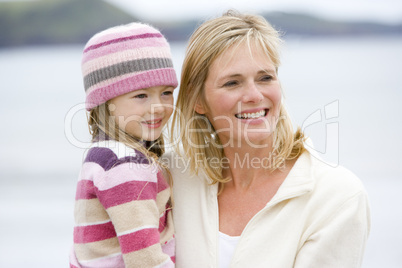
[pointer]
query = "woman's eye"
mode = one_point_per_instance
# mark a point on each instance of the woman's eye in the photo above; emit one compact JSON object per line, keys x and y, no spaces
{"x":140,"y":96}
{"x":266,"y":78}
{"x":230,"y":83}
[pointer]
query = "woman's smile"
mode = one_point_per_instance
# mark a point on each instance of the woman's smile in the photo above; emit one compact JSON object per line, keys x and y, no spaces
{"x":251,"y":115}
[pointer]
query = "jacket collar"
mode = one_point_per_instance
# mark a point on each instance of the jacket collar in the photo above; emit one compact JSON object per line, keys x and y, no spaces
{"x":299,"y":181}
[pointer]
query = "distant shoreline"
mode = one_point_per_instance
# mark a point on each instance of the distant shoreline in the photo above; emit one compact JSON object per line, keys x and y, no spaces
{"x":74,"y":22}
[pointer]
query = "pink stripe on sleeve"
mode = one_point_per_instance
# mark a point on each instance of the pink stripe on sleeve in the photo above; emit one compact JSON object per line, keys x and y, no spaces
{"x":73,"y":259}
{"x":85,"y":190}
{"x":127,"y":192}
{"x":139,"y":240}
{"x":115,"y":261}
{"x":169,"y":247}
{"x":92,"y":233}
{"x":91,"y":170}
{"x":125,"y":173}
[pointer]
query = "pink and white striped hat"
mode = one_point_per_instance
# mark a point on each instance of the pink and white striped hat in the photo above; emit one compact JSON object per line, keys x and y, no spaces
{"x":123,"y":59}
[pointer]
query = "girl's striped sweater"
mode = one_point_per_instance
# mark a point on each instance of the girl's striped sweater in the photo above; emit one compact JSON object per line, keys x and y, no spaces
{"x":122,"y":218}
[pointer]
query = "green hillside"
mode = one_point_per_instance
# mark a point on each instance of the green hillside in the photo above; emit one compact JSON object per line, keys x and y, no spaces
{"x":52,"y":22}
{"x":56,"y":22}
{"x":302,"y":24}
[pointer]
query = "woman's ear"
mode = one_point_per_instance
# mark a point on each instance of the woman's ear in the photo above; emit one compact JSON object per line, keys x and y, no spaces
{"x":199,"y":107}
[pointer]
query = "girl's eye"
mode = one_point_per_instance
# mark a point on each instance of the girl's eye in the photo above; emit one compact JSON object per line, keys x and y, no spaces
{"x":230,"y":83}
{"x":167,"y":93}
{"x":140,"y":96}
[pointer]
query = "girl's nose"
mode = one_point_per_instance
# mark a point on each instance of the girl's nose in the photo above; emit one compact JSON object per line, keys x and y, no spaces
{"x":252,"y":93}
{"x":157,"y":106}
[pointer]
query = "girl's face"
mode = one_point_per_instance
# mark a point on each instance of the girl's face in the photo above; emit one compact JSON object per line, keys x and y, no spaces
{"x":143,"y":113}
{"x":242,"y":97}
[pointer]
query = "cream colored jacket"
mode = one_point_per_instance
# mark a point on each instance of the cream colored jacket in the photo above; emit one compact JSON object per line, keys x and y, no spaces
{"x":319,"y":218}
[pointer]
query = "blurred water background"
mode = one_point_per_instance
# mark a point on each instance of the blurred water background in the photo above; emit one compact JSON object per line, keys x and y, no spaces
{"x":345,"y":92}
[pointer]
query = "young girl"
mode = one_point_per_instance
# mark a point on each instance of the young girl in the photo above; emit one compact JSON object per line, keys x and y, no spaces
{"x":122,"y":207}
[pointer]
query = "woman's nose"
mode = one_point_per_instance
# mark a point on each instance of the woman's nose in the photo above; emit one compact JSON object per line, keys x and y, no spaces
{"x":252,"y":93}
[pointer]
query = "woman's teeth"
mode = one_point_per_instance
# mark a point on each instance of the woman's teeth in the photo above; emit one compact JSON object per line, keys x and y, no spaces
{"x":251,"y":115}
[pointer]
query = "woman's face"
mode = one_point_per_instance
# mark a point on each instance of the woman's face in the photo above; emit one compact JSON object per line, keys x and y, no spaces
{"x":242,"y":97}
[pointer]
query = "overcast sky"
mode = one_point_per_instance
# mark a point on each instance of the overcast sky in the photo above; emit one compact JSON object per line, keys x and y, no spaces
{"x":388,"y":11}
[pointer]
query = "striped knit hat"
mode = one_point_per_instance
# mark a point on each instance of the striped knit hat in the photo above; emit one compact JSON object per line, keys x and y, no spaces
{"x":123,"y":59}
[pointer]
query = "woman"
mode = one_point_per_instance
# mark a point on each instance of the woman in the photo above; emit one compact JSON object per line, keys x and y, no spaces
{"x":247,"y":192}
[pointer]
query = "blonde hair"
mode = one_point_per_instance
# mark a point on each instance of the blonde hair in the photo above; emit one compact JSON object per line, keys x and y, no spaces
{"x":210,"y":40}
